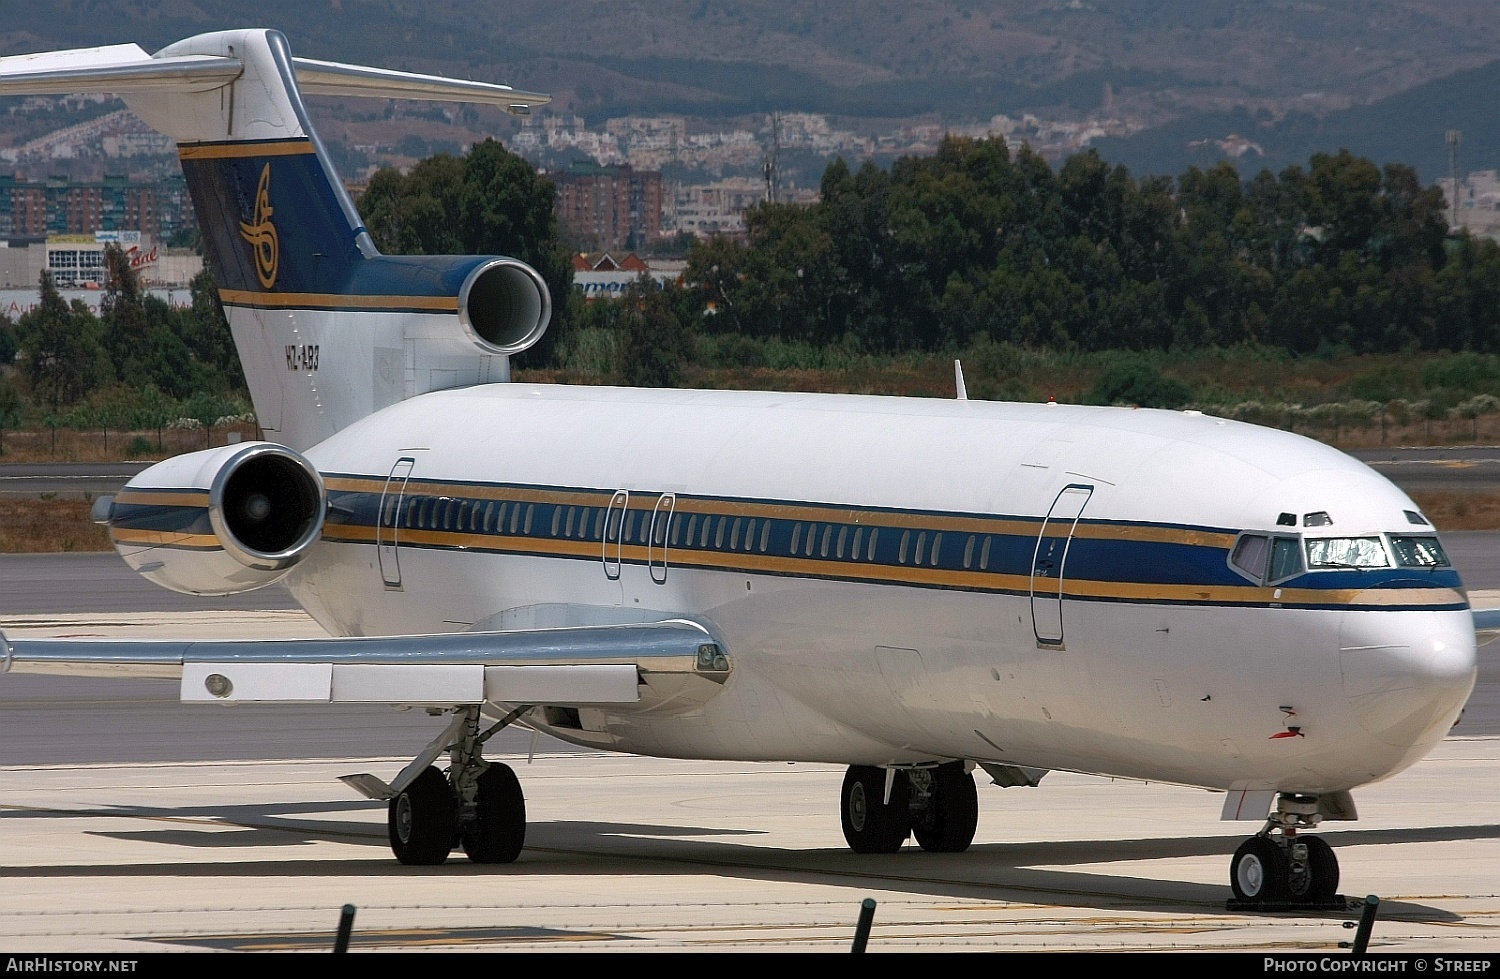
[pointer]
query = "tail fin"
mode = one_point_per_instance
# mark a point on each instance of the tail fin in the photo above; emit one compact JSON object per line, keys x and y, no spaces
{"x":327,"y":328}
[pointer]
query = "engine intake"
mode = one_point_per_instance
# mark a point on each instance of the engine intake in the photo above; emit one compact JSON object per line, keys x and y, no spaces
{"x":219,"y":521}
{"x":504,"y":305}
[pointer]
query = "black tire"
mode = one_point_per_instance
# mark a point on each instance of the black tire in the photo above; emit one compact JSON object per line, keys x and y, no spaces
{"x":1258,"y":872}
{"x":422,"y":821}
{"x":871,"y":825}
{"x":501,"y":831}
{"x":948,"y":824}
{"x":1322,"y":868}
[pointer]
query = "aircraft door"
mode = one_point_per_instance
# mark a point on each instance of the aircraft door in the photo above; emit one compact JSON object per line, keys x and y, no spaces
{"x":388,"y":524}
{"x":614,"y":534}
{"x":657,"y":542}
{"x":1050,"y":561}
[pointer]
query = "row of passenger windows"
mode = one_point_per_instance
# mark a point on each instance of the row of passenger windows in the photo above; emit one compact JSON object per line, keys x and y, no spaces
{"x":851,"y":542}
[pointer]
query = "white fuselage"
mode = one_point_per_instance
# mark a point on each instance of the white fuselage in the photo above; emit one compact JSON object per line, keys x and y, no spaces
{"x":1164,"y":664}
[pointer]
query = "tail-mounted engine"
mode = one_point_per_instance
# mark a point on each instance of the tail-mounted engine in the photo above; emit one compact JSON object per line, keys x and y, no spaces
{"x":504,"y":305}
{"x":218,"y":521}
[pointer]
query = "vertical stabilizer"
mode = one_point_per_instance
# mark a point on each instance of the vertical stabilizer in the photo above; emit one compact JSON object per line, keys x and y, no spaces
{"x":327,"y":328}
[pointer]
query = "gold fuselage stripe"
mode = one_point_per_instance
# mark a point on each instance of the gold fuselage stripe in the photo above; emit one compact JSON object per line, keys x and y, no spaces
{"x":229,"y":151}
{"x":299,"y":300}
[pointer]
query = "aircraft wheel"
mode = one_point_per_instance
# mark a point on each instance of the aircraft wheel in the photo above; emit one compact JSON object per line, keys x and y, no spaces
{"x":1258,"y":872}
{"x":1320,"y":882}
{"x":422,"y":820}
{"x":948,"y":824}
{"x":501,"y":831}
{"x":871,"y":825}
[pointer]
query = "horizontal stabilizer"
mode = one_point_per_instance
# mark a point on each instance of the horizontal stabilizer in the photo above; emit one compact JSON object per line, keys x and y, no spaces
{"x":127,"y":69}
{"x":117,"y":70}
{"x":331,"y":78}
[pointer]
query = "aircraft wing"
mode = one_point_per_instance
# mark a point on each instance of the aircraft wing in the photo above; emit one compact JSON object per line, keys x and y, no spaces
{"x":1486,"y":625}
{"x":640,"y":666}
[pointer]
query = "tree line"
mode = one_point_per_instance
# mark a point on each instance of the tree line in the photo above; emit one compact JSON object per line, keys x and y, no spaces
{"x":139,"y":364}
{"x":976,"y":242}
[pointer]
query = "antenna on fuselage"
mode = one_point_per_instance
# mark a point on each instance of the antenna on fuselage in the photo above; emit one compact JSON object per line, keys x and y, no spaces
{"x":958,"y":380}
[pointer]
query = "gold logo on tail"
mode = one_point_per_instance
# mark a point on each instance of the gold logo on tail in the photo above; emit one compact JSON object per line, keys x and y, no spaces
{"x":261,"y":233}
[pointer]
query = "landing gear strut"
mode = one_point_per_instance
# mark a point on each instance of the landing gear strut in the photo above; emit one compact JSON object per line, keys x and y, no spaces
{"x":479,"y":804}
{"x":1278,"y":867}
{"x":939,"y":805}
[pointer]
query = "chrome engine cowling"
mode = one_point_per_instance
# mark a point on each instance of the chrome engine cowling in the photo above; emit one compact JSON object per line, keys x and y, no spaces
{"x":504,"y":306}
{"x":219,"y":521}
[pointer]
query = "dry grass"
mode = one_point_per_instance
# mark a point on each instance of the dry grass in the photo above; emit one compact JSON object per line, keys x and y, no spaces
{"x":1458,"y":510}
{"x":29,"y":525}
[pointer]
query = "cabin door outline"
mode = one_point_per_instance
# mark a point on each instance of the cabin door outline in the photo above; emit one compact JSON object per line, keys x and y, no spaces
{"x":388,"y":522}
{"x":1049,"y":562}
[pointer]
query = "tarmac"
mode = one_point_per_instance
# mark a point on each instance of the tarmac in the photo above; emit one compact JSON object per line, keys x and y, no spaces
{"x":632,"y":853}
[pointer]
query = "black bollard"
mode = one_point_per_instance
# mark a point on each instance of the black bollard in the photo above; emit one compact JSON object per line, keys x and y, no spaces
{"x":1366,"y":924}
{"x":346,"y":926}
{"x":866,"y":919}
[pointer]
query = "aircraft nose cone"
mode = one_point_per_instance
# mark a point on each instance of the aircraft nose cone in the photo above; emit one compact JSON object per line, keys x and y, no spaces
{"x":1407,"y":677}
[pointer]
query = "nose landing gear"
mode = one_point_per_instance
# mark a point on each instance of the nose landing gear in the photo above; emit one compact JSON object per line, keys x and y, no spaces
{"x":1278,"y":869}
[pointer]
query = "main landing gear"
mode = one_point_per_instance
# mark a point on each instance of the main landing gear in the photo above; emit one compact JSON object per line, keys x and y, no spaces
{"x":1279,"y":868}
{"x":881,"y":807}
{"x":478,"y":805}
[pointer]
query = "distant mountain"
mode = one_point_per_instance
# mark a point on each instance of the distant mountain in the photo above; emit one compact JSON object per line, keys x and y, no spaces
{"x":1409,"y":127}
{"x":1190,"y":68}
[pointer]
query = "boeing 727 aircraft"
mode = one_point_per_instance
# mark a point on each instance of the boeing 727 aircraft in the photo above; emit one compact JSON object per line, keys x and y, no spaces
{"x":913,"y":588}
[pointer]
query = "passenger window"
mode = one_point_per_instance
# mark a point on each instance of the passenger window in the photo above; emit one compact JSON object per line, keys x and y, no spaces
{"x":937,"y":548}
{"x":765,"y":536}
{"x":629,"y":526}
{"x":708,"y":523}
{"x":1286,"y":558}
{"x":599,"y":523}
{"x":839,"y":549}
{"x":515,"y":518}
{"x":557,"y":513}
{"x":489,"y":516}
{"x":827,"y":533}
{"x":874,"y":535}
{"x":1419,"y":552}
{"x":969,"y":553}
{"x":660,"y":520}
{"x":984,"y":555}
{"x":677,"y":530}
{"x":796,"y":538}
{"x":719,"y":537}
{"x":921,"y":546}
{"x":734,"y":535}
{"x":691,"y":529}
{"x":859,"y":535}
{"x":812,"y":536}
{"x":1250,"y":555}
{"x":905,"y":540}
{"x":529,"y":508}
{"x":750,"y":534}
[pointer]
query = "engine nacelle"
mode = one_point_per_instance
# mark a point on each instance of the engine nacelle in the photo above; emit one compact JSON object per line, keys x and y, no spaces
{"x":219,"y":521}
{"x":504,"y":306}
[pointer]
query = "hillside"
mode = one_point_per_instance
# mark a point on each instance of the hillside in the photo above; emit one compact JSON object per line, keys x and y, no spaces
{"x":887,"y":58}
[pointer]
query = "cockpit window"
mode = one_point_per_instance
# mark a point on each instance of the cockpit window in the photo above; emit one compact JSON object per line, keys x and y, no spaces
{"x":1250,"y":555}
{"x":1419,"y":552}
{"x":1264,"y":559}
{"x":1346,"y":552}
{"x":1286,"y":558}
